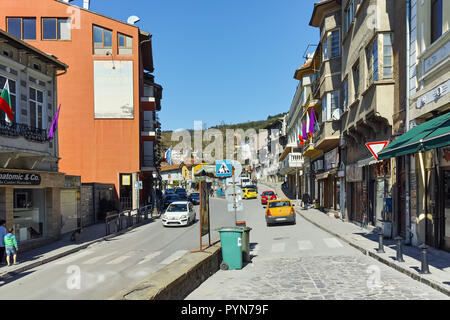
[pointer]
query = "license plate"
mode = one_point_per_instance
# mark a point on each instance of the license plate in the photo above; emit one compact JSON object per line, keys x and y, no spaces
{"x":281,"y":219}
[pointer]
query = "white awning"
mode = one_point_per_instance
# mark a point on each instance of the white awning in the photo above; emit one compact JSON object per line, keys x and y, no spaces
{"x":368,"y":162}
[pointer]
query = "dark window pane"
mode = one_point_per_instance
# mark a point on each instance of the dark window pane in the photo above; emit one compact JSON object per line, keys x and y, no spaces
{"x":32,"y":94}
{"x":436,"y":20}
{"x":40,"y":96}
{"x":32,"y":114}
{"x":49,"y":29}
{"x":108,"y":39}
{"x":29,"y":29}
{"x":39,"y":124}
{"x":15,"y":27}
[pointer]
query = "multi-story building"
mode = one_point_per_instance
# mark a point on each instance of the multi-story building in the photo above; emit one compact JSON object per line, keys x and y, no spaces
{"x":33,"y":194}
{"x":109,"y":131}
{"x":423,"y":151}
{"x":325,"y":97}
{"x":291,"y":159}
{"x":370,"y":100}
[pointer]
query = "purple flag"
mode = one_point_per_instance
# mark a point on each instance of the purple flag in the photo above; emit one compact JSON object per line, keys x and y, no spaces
{"x":312,"y":122}
{"x":304,"y":134}
{"x":54,"y":125}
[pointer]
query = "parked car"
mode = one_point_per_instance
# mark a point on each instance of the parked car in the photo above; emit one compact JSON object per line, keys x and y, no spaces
{"x":252,"y":186}
{"x":170,"y":198}
{"x":248,"y":193}
{"x":267,"y":196}
{"x":181,"y":192}
{"x":194,"y":198}
{"x":179,"y":213}
{"x":280,"y":211}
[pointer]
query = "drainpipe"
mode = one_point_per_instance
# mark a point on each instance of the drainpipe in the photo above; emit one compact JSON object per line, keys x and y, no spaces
{"x":407,"y":157}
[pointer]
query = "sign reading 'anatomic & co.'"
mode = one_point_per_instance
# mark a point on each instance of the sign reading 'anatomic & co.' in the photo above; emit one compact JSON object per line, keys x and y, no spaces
{"x":18,"y":178}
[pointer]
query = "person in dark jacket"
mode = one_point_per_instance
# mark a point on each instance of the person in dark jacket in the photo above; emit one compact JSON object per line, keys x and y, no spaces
{"x":305,"y":199}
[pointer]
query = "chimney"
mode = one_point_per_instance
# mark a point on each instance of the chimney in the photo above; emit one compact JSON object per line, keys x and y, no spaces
{"x":86,"y":4}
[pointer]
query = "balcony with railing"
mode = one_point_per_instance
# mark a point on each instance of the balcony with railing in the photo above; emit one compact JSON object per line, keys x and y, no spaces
{"x":291,"y":163}
{"x":327,"y":137}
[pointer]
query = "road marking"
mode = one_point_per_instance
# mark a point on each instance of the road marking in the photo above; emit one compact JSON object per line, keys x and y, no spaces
{"x":278,"y":247}
{"x":150,"y":257}
{"x":119,"y":260}
{"x":333,"y":243}
{"x":178,"y":254}
{"x":97,"y":259}
{"x":305,"y":245}
{"x":75,"y":256}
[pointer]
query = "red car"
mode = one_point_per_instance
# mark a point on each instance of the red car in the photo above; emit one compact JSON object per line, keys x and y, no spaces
{"x":267,"y":196}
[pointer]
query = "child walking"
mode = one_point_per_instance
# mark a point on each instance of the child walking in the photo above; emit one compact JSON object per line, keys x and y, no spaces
{"x":11,"y":246}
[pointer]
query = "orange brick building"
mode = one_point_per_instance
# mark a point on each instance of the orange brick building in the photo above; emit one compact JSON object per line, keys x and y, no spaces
{"x":108,"y":129}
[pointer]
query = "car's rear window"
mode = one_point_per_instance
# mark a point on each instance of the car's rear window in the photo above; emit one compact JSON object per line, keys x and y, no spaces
{"x":251,"y":190}
{"x":278,"y":204}
{"x":268,"y":193}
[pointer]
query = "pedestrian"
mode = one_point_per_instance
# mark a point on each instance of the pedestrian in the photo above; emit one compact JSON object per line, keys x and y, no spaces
{"x":11,"y":246}
{"x":2,"y":241}
{"x":305,"y":200}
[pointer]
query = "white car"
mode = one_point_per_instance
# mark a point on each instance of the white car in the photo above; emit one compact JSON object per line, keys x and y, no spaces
{"x":180,"y":213}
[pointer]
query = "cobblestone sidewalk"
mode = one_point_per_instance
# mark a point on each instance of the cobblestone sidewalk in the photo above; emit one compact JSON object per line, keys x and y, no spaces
{"x":367,"y":242}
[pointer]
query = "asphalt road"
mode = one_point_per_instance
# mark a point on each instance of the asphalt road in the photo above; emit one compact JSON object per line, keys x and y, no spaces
{"x":105,"y":268}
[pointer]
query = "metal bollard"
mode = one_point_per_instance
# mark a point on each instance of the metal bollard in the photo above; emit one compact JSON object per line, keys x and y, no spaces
{"x":380,"y":240}
{"x":425,"y":269}
{"x":399,"y":249}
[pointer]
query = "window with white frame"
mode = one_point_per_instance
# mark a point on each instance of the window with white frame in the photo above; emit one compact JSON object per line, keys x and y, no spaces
{"x":345,"y":100}
{"x":12,"y":94}
{"x":372,"y":61}
{"x":331,"y":45}
{"x":355,"y":71}
{"x":387,"y":56}
{"x":325,"y":49}
{"x":330,"y":106}
{"x":36,"y":101}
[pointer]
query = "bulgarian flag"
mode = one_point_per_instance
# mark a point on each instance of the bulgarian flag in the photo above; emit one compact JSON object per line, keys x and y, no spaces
{"x":5,"y":103}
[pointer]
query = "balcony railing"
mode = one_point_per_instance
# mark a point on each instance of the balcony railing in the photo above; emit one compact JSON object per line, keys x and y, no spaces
{"x":292,"y":162}
{"x":23,"y":130}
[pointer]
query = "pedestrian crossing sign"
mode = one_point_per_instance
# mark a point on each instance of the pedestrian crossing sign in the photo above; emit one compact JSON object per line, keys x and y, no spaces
{"x":223,"y":168}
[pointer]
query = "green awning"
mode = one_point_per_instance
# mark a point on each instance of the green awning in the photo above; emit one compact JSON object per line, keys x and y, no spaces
{"x":434,"y":133}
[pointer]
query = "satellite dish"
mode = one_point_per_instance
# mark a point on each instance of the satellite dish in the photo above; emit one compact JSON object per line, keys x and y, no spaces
{"x":133,"y":20}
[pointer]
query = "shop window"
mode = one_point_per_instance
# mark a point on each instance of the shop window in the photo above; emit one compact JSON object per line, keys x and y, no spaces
{"x":56,"y":29}
{"x":125,"y":44}
{"x":12,"y":93}
{"x":22,"y":28}
{"x":102,"y":40}
{"x":29,"y":214}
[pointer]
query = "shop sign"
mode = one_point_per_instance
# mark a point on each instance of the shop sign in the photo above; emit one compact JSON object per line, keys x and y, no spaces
{"x":22,"y":179}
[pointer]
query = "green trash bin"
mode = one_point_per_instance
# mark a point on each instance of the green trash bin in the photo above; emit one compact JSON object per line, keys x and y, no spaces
{"x":231,"y":240}
{"x":246,"y":243}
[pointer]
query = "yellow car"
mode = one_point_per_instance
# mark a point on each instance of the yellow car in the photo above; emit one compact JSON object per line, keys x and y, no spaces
{"x":249,"y":193}
{"x":279,"y":211}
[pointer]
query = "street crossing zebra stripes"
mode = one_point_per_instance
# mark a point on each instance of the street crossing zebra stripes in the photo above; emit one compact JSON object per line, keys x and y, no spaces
{"x":302,"y":245}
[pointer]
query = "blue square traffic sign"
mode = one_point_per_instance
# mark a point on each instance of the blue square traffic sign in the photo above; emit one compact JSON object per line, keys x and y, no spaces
{"x":223,"y":168}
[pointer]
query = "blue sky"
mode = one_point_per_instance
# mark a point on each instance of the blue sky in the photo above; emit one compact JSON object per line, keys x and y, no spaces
{"x":218,"y":60}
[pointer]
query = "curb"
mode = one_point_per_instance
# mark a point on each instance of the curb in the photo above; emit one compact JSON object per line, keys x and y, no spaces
{"x":176,"y":280}
{"x":33,"y":265}
{"x":415,"y":276}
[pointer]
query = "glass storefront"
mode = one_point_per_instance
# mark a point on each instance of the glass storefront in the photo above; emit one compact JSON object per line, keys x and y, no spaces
{"x":29,"y":214}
